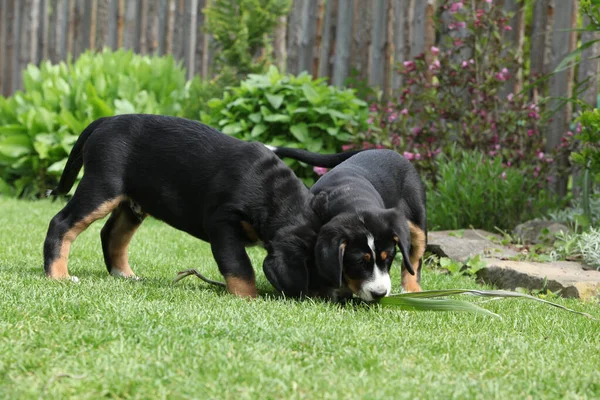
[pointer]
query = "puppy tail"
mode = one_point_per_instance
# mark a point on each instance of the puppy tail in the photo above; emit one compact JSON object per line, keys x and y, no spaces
{"x":74,"y":162}
{"x":316,"y":159}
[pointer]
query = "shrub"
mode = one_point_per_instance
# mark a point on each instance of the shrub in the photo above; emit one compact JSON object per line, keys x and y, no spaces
{"x":475,"y":189}
{"x":454,"y":95}
{"x":199,"y":92}
{"x":241,"y":30}
{"x":39,"y":125}
{"x":295,"y":111}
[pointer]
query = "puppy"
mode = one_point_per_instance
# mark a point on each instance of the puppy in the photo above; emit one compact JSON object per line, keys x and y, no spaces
{"x":219,"y":189}
{"x":375,"y":202}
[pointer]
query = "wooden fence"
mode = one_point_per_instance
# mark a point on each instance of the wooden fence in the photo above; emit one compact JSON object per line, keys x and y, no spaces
{"x":328,"y":38}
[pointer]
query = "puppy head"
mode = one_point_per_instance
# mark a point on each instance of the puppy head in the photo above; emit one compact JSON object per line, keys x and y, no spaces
{"x":291,"y":251}
{"x":357,"y":250}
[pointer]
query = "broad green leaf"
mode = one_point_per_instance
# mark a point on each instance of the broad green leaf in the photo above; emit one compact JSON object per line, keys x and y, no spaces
{"x":232,"y":129}
{"x":423,"y":304}
{"x":311,"y":94}
{"x":277,"y":118}
{"x":275,"y":100}
{"x":15,"y":146}
{"x":300,"y":131}
{"x":255,"y":117}
{"x":124,"y":106}
{"x":258,"y":130}
{"x":13,"y":129}
{"x":483,"y":293}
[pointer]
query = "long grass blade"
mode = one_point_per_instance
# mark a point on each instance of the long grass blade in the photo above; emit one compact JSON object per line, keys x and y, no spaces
{"x":427,"y":294}
{"x":417,"y":304}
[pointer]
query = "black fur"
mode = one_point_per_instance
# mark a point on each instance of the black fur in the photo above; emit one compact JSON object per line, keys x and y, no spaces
{"x":197,"y":180}
{"x":374,"y":192}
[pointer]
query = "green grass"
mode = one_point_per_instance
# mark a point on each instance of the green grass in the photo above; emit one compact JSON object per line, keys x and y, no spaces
{"x":153,"y":339}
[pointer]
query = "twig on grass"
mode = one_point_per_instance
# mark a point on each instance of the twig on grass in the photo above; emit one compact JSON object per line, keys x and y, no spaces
{"x":193,"y":271}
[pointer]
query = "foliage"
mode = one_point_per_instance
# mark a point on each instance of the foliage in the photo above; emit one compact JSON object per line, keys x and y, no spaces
{"x":584,"y":246}
{"x":199,"y":92}
{"x":295,"y":111}
{"x":470,"y":267}
{"x":475,"y":189}
{"x":38,"y":126}
{"x":242,"y":31}
{"x":456,"y":95}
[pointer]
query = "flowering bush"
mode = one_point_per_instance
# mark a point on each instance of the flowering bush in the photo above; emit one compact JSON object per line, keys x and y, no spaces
{"x":456,"y":95}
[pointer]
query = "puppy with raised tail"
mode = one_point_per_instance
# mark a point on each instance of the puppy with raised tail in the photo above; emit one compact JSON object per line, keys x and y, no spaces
{"x":375,"y":203}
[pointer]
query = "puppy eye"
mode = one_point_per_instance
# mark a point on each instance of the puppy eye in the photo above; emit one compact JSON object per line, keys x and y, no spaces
{"x":384,"y":255}
{"x":367,"y":257}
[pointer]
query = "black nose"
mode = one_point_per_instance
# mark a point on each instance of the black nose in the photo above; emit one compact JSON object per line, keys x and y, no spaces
{"x":378,"y":295}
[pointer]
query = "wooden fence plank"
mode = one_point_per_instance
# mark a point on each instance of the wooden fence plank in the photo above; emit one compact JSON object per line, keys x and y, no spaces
{"x":3,"y":37}
{"x":294,"y":36}
{"x":307,"y":35}
{"x":178,"y":31}
{"x":327,"y":35}
{"x":130,"y":30}
{"x":43,"y":32}
{"x":361,"y":38}
{"x":24,"y":42}
{"x":81,"y":40}
{"x":560,"y":84}
{"x":199,"y":31}
{"x":142,"y":26}
{"x":206,"y":54}
{"x":589,"y":66}
{"x":378,"y":43}
{"x":71,"y":27}
{"x":151,"y":31}
{"x":92,"y":10}
{"x":343,"y":42}
{"x":279,"y":44}
{"x":538,"y":38}
{"x":318,"y":38}
{"x":516,"y":35}
{"x":191,"y":17}
{"x":417,"y":46}
{"x":103,"y":16}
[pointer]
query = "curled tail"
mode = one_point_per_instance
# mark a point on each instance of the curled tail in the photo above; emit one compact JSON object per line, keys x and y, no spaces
{"x":316,"y":159}
{"x":74,"y":162}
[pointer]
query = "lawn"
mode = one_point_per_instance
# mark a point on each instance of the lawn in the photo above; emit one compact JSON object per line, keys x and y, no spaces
{"x":153,"y":339}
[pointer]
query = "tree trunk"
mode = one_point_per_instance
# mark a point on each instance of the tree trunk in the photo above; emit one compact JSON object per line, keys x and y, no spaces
{"x":279,"y":49}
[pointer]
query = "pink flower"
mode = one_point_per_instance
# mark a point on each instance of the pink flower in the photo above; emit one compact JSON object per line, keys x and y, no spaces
{"x":503,"y":175}
{"x":370,"y":121}
{"x":540,"y":155}
{"x":464,"y":64}
{"x":455,"y":7}
{"x":416,"y":130}
{"x":409,"y":65}
{"x":458,"y":42}
{"x":409,"y":156}
{"x":510,"y":97}
{"x":503,"y":75}
{"x":530,"y":132}
{"x":346,"y":147}
{"x":488,"y":1}
{"x":569,"y":133}
{"x":320,"y":170}
{"x":507,"y":28}
{"x":392,"y":117}
{"x":435,"y":51}
{"x":404,"y":112}
{"x":435,"y":65}
{"x":461,"y":24}
{"x":578,"y":128}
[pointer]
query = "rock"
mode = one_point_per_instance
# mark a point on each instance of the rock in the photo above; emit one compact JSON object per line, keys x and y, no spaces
{"x":533,"y":232}
{"x":567,"y":276}
{"x":460,"y":245}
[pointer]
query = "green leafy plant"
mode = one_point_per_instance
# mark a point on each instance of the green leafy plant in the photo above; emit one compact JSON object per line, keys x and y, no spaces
{"x":478,"y":190}
{"x":285,"y":110}
{"x":470,"y":267}
{"x":39,"y":125}
{"x":242,"y":31}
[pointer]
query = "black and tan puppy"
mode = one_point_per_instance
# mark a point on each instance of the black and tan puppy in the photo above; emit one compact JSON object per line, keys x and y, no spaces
{"x":375,"y":202}
{"x":217,"y":188}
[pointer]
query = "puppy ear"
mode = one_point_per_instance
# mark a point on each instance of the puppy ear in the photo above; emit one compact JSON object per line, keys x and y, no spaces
{"x":329,"y":255}
{"x":405,"y":258}
{"x":320,"y":204}
{"x":290,"y":278}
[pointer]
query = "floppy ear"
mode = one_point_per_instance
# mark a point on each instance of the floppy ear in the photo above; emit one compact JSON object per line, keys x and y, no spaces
{"x":405,"y":258}
{"x":291,"y":280}
{"x":329,"y":256}
{"x":320,"y":204}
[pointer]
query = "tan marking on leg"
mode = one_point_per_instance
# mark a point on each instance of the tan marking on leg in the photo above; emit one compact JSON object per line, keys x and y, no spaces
{"x":59,"y":268}
{"x":418,"y":243}
{"x":118,"y":245}
{"x":250,"y":232}
{"x":241,"y":287}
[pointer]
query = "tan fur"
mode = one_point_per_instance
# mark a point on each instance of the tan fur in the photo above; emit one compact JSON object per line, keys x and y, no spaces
{"x":250,"y":232}
{"x":120,"y":237}
{"x":417,"y":241}
{"x":241,"y":287}
{"x":59,"y":268}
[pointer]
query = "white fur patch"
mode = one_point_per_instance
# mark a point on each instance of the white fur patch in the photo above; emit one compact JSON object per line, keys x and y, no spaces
{"x":272,"y":148}
{"x":119,"y":274}
{"x":379,"y":283}
{"x":74,"y":279}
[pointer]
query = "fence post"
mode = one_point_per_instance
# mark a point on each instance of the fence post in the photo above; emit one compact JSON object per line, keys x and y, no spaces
{"x":343,"y":36}
{"x":326,"y":39}
{"x":418,"y":28}
{"x":378,"y":43}
{"x":3,"y":26}
{"x":294,"y":33}
{"x":307,"y":38}
{"x":42,"y":49}
{"x":516,"y":36}
{"x":561,"y":86}
{"x":362,"y":38}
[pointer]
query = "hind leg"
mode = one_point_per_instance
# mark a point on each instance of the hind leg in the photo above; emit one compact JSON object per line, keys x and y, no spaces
{"x":91,"y":201}
{"x":116,"y":236}
{"x":418,"y":243}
